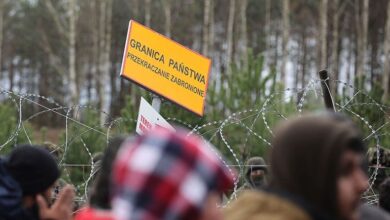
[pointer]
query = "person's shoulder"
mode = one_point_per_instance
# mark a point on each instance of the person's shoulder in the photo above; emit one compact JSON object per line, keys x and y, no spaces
{"x":254,"y":205}
{"x":369,"y":212}
{"x":9,"y":187}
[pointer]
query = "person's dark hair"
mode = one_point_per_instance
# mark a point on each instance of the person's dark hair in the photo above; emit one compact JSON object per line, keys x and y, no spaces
{"x":100,"y":192}
{"x":33,"y":168}
{"x":384,"y":194}
{"x":305,"y":159}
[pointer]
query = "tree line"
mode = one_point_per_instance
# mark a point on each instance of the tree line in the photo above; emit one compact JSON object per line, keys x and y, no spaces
{"x":72,"y":50}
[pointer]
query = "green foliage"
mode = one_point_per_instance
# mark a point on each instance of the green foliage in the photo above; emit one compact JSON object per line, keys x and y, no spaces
{"x":82,"y":144}
{"x":128,"y":115}
{"x":9,"y":126}
{"x":368,"y":106}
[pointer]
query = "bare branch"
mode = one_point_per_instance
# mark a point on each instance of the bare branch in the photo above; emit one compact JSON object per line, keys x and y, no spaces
{"x":61,"y":27}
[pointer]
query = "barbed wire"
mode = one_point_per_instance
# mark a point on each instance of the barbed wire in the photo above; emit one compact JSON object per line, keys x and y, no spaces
{"x":245,"y":120}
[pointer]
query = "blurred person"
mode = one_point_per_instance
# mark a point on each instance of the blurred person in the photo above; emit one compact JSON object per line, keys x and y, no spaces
{"x":99,"y":203}
{"x":36,"y":172}
{"x":27,"y":177}
{"x":316,"y":173}
{"x":168,"y":176}
{"x":11,"y":196}
{"x":255,"y":175}
{"x":384,"y":195}
{"x":370,"y":212}
{"x":380,"y":161}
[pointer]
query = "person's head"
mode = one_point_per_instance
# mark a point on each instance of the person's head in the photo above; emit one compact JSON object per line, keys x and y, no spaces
{"x":165,"y":175}
{"x":100,"y":196}
{"x":384,"y":195}
{"x":320,"y":158}
{"x":35,"y":170}
{"x":256,"y":172}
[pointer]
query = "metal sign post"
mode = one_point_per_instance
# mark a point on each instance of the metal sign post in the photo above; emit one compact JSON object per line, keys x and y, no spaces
{"x":156,"y":103}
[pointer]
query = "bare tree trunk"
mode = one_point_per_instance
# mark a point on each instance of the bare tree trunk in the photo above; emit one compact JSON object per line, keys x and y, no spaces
{"x":300,"y":75}
{"x":335,"y":42}
{"x":147,"y":12}
{"x":386,"y":68}
{"x":267,"y":31}
{"x":104,"y":58}
{"x":67,"y":30}
{"x":11,"y":73}
{"x":101,"y":46}
{"x":323,"y":33}
{"x":95,"y":47}
{"x":358,"y":24}
{"x":126,"y":87}
{"x":304,"y":59}
{"x":243,"y":44}
{"x":73,"y":88}
{"x":135,"y":9}
{"x":362,"y":27}
{"x":212,"y":28}
{"x":107,"y":60}
{"x":364,"y":34}
{"x":89,"y":78}
{"x":206,"y":28}
{"x":230,"y":27}
{"x":300,"y":61}
{"x":115,"y":102}
{"x":167,"y":13}
{"x":43,"y":89}
{"x":349,"y":47}
{"x":21,"y":77}
{"x":286,"y":32}
{"x":374,"y":43}
{"x":1,"y":34}
{"x":276,"y":46}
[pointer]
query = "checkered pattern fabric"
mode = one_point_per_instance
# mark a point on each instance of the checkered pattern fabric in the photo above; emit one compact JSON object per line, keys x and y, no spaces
{"x":166,"y":176}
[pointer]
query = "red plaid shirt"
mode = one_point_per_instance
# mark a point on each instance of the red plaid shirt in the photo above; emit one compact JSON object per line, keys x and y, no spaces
{"x":165,"y":175}
{"x":89,"y":213}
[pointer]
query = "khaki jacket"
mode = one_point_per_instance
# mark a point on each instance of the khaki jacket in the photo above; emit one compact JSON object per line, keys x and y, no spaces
{"x":257,"y":205}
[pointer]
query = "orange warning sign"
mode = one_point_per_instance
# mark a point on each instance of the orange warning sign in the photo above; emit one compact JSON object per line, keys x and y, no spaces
{"x":166,"y":67}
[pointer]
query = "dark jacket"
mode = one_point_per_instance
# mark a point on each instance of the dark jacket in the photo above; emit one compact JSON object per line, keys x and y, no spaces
{"x":369,"y":212}
{"x":11,"y":197}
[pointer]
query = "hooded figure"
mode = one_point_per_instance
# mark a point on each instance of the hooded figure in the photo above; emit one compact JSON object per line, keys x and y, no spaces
{"x":168,"y":176}
{"x":307,"y":164}
{"x":382,"y":161}
{"x":255,"y":175}
{"x":256,"y":172}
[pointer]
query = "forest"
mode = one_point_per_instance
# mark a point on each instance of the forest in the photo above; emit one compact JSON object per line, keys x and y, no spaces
{"x":60,"y":64}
